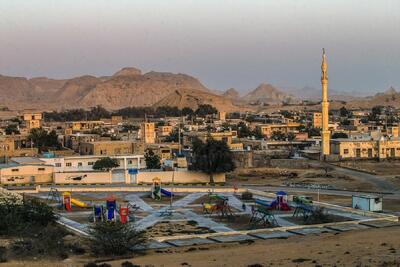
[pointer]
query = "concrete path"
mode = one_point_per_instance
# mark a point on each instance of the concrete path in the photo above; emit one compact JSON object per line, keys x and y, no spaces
{"x":187,"y":199}
{"x":75,"y":226}
{"x":234,"y":202}
{"x":134,"y":199}
{"x":206,"y":222}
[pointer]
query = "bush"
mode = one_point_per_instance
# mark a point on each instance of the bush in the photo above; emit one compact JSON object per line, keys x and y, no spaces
{"x":247,"y":195}
{"x":39,"y":241}
{"x":16,"y":217}
{"x":319,"y":216}
{"x":114,"y":238}
{"x":3,"y":254}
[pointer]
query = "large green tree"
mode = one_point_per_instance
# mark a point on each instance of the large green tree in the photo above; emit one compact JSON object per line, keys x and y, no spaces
{"x":105,"y":164}
{"x":43,"y":139}
{"x":212,"y":157}
{"x":152,"y":160}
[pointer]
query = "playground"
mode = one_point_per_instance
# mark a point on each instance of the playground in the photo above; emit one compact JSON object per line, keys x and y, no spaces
{"x":174,"y":217}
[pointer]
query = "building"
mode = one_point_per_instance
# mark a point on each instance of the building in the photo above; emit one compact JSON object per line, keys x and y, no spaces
{"x":164,"y":131}
{"x":83,"y":125}
{"x":228,"y":136}
{"x":73,"y":141}
{"x":367,"y":202}
{"x":15,"y":146}
{"x":85,"y":163}
{"x":14,"y":173}
{"x":148,"y":132}
{"x":366,"y":148}
{"x":317,"y":120}
{"x":221,"y":115}
{"x":109,"y":148}
{"x":268,"y":129}
{"x":325,"y":133}
{"x":32,"y":120}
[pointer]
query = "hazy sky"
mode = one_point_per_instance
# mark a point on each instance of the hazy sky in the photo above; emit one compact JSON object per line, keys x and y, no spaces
{"x":223,"y":43}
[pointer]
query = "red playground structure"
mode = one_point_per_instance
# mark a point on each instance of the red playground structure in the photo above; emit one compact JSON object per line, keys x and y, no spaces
{"x":281,"y":201}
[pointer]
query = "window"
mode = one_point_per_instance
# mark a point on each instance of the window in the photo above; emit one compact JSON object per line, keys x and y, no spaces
{"x":68,"y":164}
{"x":90,"y":163}
{"x":79,"y":164}
{"x":14,"y":170}
{"x":41,"y":169}
{"x":130,"y":161}
{"x":58,"y":164}
{"x":346,"y":151}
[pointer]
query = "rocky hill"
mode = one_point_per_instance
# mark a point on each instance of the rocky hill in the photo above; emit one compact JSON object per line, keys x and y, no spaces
{"x":231,"y":93}
{"x":267,"y":94}
{"x":127,"y":87}
{"x":193,"y":98}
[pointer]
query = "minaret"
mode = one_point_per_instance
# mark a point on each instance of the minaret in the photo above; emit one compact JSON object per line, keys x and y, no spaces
{"x":325,"y":107}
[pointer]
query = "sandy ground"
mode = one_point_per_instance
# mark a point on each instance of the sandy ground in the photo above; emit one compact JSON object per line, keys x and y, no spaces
{"x":372,"y":247}
{"x":379,"y":168}
{"x":277,"y":177}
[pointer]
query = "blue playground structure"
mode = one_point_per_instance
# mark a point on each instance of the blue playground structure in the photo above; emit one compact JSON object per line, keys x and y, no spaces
{"x":166,"y":192}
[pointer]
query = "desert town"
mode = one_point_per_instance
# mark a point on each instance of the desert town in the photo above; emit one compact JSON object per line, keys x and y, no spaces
{"x":205,"y":178}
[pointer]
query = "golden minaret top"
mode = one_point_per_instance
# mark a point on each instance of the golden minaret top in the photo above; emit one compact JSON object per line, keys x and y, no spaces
{"x":324,"y":66}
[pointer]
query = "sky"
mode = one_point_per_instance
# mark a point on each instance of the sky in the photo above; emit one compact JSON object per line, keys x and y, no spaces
{"x":223,"y":43}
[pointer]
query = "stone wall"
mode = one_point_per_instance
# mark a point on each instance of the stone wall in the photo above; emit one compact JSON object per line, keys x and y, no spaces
{"x":179,"y":177}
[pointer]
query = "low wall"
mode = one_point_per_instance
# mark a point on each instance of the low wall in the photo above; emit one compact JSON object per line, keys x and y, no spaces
{"x":86,"y":177}
{"x":290,"y":163}
{"x":179,"y":177}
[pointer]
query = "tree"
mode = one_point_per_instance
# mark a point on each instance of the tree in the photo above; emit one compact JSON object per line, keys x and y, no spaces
{"x":174,"y":136}
{"x":212,"y":157}
{"x":344,"y":112}
{"x":242,"y":130}
{"x":314,"y":132}
{"x":105,"y":164}
{"x":12,"y":129}
{"x":187,"y":111}
{"x":339,"y":135}
{"x":291,"y":136}
{"x":205,"y":109}
{"x":114,"y":238}
{"x":42,"y":139}
{"x":152,"y":160}
{"x":278,"y":136}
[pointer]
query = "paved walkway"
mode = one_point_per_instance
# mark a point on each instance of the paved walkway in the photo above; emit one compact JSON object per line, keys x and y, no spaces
{"x":187,"y":199}
{"x":134,"y":199}
{"x":78,"y":227}
{"x":206,"y":222}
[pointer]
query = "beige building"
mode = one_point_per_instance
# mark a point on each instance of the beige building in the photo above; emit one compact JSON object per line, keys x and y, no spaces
{"x":222,"y":115}
{"x":26,"y":173}
{"x":317,"y":120}
{"x":366,"y":148}
{"x":228,"y":136}
{"x":110,"y":148}
{"x":268,"y":129}
{"x":33,"y":120}
{"x":163,"y":131}
{"x":148,"y":132}
{"x":83,"y":125}
{"x":14,"y":146}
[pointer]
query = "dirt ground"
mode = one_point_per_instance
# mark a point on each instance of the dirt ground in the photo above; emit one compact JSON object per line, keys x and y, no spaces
{"x":380,"y":168}
{"x":279,"y":177}
{"x":176,"y":228}
{"x":371,"y":247}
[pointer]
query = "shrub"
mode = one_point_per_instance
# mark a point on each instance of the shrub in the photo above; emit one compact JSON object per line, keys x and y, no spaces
{"x":318,"y":216}
{"x":114,"y":238}
{"x":18,"y":216}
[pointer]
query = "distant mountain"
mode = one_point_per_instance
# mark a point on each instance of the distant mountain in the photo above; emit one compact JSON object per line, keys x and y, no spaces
{"x":267,"y":94}
{"x":231,"y":93}
{"x":193,"y":98}
{"x":390,"y":97}
{"x":127,"y":87}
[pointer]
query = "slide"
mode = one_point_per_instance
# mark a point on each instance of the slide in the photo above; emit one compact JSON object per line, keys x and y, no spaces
{"x":79,"y":203}
{"x":263,"y":202}
{"x":166,"y":192}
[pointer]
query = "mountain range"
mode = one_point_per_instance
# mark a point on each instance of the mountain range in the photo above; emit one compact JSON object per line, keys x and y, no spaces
{"x":130,"y":87}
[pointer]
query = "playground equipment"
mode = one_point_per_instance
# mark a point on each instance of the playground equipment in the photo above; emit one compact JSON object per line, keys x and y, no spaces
{"x":217,"y":204}
{"x":281,"y":201}
{"x":166,"y":193}
{"x":68,"y":200}
{"x":156,"y":189}
{"x":261,"y":213}
{"x":54,"y":195}
{"x":302,"y":200}
{"x":303,"y":210}
{"x":111,"y":212}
